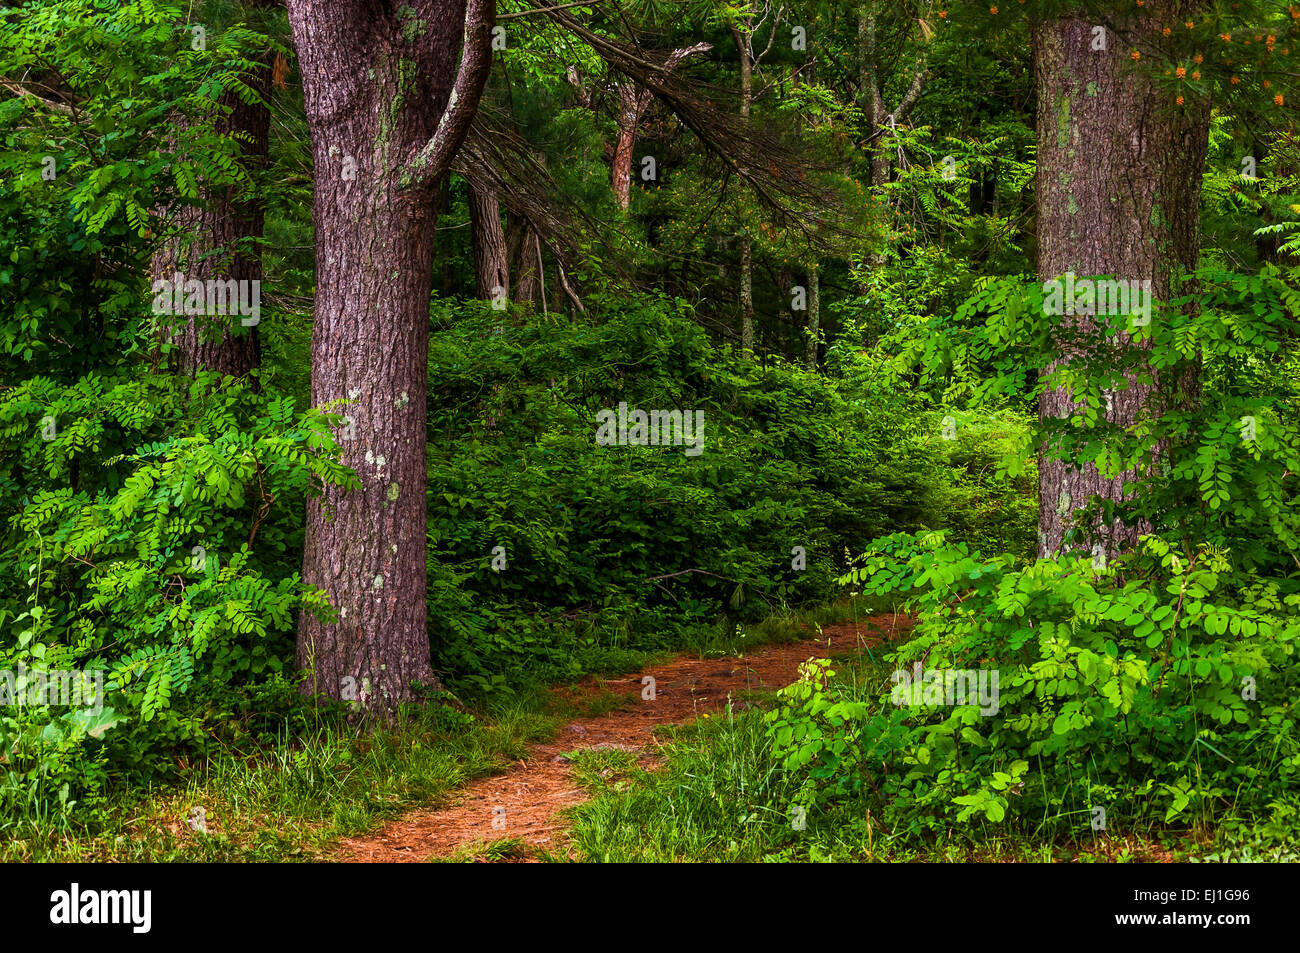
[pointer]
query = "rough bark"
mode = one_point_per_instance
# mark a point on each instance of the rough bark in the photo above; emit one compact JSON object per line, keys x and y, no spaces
{"x":1119,"y":171}
{"x":387,"y":108}
{"x":491,"y":272}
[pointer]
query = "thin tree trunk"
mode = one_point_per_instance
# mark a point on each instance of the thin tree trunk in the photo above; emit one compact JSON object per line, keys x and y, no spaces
{"x":746,"y":70}
{"x":746,"y":244}
{"x":633,"y":101}
{"x":629,"y":117}
{"x":378,"y":89}
{"x":525,"y":264}
{"x":814,"y":316}
{"x":491,"y":274}
{"x":746,"y":296}
{"x":871,"y":101}
{"x":541,"y":269}
{"x":1119,"y":171}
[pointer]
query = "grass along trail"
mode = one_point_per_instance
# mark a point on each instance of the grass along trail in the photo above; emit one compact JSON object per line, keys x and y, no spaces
{"x":525,"y":804}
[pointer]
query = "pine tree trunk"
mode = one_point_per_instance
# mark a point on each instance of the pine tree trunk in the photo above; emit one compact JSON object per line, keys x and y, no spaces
{"x":633,"y":101}
{"x":629,"y":117}
{"x":1119,"y":172}
{"x":376,"y":86}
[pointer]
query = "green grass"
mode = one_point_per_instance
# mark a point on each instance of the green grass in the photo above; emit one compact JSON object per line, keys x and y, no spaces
{"x":784,"y":626}
{"x":292,"y":798}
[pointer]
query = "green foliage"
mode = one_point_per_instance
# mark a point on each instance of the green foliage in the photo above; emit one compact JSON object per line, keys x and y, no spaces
{"x":80,"y":183}
{"x":1156,"y":685}
{"x":144,"y":541}
{"x":1214,"y":464}
{"x":641,"y":542}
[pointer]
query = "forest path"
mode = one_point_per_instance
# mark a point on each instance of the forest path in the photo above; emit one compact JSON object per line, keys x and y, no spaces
{"x":526,"y":801}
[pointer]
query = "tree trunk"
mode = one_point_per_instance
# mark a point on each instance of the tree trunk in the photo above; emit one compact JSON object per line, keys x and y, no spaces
{"x":871,"y":100}
{"x":814,"y":316}
{"x":491,"y":274}
{"x":629,"y":117}
{"x":525,"y":264}
{"x":746,"y":296}
{"x":1119,"y":172}
{"x":633,"y":101}
{"x":218,"y":234}
{"x":746,"y":70}
{"x":746,"y":244}
{"x":385,"y":125}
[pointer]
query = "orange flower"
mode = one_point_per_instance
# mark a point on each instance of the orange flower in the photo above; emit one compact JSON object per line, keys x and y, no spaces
{"x":1179,"y":100}
{"x":1267,"y":84}
{"x":1278,"y":100}
{"x":993,"y":10}
{"x":1166,"y":31}
{"x":943,"y":14}
{"x":1197,"y":59}
{"x":1180,"y":72}
{"x":1196,"y":75}
{"x":1234,"y":81}
{"x":1226,"y":37}
{"x":1189,"y":24}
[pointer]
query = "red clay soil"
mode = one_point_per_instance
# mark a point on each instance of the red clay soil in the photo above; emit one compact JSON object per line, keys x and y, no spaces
{"x":526,"y":801}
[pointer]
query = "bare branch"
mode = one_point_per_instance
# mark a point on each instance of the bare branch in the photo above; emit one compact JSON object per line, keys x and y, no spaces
{"x":543,"y":10}
{"x":23,"y":92}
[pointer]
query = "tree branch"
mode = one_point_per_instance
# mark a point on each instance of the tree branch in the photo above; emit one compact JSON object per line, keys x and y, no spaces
{"x":543,"y":10}
{"x":434,"y":159}
{"x":919,"y":79}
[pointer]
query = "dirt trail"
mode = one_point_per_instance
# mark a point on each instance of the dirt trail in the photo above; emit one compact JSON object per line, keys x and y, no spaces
{"x":525,"y":801}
